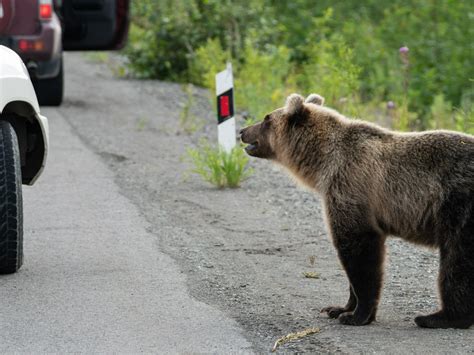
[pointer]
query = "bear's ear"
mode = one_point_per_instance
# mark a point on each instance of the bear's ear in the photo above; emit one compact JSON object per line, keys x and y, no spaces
{"x":315,"y":99}
{"x":294,"y":104}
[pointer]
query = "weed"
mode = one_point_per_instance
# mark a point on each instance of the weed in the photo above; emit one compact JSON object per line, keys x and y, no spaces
{"x":218,"y":167}
{"x":142,"y":122}
{"x":188,"y":122}
{"x":97,"y":57}
{"x":118,"y":69}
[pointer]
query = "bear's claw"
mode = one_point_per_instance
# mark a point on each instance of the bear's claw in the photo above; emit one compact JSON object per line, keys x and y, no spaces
{"x":333,"y":311}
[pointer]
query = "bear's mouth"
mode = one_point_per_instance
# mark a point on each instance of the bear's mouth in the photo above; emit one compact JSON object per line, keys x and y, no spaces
{"x":251,"y":147}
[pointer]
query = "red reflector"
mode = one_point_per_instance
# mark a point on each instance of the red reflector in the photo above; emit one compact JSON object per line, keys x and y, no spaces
{"x":45,"y":11}
{"x":23,"y":45}
{"x":224,"y":105}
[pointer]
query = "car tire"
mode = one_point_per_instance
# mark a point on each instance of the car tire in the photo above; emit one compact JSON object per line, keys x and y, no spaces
{"x":50,"y":91}
{"x":11,"y":204}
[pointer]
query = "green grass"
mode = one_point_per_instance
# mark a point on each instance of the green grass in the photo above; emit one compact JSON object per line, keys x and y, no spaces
{"x":97,"y":57}
{"x":102,"y":57}
{"x":218,"y":167}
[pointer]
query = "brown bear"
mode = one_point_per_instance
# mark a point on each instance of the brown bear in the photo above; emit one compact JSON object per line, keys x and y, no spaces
{"x":376,"y":183}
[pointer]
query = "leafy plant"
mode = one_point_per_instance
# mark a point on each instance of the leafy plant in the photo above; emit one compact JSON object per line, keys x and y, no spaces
{"x":218,"y":167}
{"x":263,"y":81}
{"x":330,"y":70}
{"x":208,"y":60}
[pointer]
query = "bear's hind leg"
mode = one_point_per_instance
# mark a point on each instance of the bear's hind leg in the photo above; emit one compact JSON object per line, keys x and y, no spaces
{"x":442,"y":320}
{"x":336,"y":311}
{"x":456,"y":285}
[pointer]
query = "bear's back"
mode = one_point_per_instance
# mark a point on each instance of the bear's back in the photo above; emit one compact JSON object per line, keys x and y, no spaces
{"x":404,"y":180}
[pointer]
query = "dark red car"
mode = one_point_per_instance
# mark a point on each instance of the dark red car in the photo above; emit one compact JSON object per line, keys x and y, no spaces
{"x":39,"y":31}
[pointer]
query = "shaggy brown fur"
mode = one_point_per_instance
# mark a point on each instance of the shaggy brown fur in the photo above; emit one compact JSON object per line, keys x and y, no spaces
{"x":375,"y":183}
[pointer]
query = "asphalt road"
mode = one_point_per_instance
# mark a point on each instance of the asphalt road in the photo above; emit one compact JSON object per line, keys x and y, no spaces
{"x":128,"y":252}
{"x":94,"y":279}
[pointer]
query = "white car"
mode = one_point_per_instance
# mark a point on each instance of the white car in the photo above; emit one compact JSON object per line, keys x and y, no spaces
{"x":23,"y":151}
{"x":31,"y":28}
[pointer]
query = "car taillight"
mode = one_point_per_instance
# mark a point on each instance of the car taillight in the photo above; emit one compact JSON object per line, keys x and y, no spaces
{"x":45,"y":9}
{"x":25,"y":45}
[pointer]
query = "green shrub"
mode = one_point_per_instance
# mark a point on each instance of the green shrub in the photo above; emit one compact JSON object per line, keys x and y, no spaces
{"x":208,"y":60}
{"x":162,"y":37}
{"x":218,"y":167}
{"x":263,"y":81}
{"x":346,"y":51}
{"x":330,"y":70}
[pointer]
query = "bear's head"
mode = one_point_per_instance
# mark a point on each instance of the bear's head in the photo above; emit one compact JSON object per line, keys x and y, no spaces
{"x":273,"y":136}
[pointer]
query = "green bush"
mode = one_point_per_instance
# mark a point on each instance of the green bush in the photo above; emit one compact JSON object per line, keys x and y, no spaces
{"x":330,"y":70}
{"x":345,"y":50}
{"x":263,"y":81}
{"x":209,"y":59}
{"x":218,"y":167}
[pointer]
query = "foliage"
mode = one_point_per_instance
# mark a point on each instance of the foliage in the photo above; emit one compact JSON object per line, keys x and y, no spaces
{"x":331,"y":71}
{"x":209,"y":59}
{"x":263,"y":72}
{"x":348,"y":51}
{"x":218,"y":167}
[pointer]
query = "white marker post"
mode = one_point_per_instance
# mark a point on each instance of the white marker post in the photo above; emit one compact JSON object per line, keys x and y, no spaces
{"x":225,"y":109}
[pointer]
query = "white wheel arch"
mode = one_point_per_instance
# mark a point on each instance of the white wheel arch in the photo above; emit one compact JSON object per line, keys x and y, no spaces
{"x":19,"y":105}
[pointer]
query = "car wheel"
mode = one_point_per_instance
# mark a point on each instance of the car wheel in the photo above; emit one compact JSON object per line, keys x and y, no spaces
{"x":11,"y":205}
{"x":50,"y":91}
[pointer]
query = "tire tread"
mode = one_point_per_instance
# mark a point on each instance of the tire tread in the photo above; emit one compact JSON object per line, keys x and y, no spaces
{"x":11,"y":208}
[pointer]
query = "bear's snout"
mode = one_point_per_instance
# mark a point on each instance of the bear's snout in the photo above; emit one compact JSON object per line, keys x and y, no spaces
{"x":248,"y":136}
{"x":256,"y":138}
{"x":245,"y":136}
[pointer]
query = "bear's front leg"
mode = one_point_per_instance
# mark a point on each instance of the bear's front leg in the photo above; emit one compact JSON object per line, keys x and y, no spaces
{"x":336,"y":311}
{"x":361,"y":251}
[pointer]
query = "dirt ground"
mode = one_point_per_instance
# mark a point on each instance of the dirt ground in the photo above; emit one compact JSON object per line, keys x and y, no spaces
{"x":244,"y":250}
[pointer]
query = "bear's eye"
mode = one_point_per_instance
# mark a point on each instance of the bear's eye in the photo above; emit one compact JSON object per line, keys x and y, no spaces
{"x":266,"y":118}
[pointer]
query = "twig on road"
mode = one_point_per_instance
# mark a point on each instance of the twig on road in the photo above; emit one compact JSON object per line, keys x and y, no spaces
{"x":294,"y":336}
